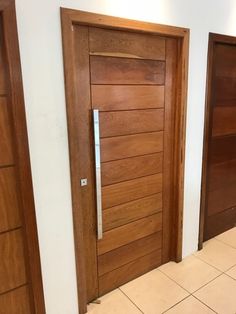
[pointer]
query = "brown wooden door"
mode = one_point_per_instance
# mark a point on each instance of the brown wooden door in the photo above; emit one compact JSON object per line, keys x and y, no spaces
{"x":130,"y":78}
{"x":20,"y":274}
{"x":219,"y":202}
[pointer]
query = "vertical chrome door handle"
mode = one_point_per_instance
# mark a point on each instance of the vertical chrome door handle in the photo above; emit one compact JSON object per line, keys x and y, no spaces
{"x":98,"y":173}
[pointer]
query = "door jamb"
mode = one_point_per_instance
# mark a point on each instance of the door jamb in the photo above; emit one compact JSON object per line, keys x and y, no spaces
{"x":69,"y":18}
{"x":213,"y":40}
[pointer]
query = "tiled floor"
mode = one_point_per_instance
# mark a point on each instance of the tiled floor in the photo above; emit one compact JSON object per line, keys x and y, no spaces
{"x":202,"y":283}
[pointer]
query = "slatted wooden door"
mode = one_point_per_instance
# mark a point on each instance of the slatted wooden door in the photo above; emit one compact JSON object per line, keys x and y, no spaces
{"x":130,"y":78}
{"x":20,"y":275}
{"x":219,"y":202}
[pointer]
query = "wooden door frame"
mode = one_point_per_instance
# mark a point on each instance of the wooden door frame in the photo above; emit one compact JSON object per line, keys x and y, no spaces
{"x":21,"y":151}
{"x":213,"y":40}
{"x":69,"y":18}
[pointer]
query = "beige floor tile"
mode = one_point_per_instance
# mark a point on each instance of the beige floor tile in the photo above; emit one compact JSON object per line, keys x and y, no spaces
{"x":190,"y":305}
{"x":153,"y":292}
{"x":220,"y":295}
{"x":114,"y":302}
{"x":232,"y":273}
{"x":217,"y":254}
{"x":228,"y":237}
{"x":192,"y":273}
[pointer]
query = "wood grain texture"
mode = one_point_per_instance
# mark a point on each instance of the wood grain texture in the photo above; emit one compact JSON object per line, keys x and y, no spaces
{"x":221,"y":199}
{"x":3,"y":64}
{"x":110,"y":70}
{"x":225,"y":91}
{"x":71,"y":18}
{"x":9,"y":207}
{"x":17,"y":120}
{"x":222,"y":149}
{"x":128,"y":233}
{"x":129,"y":271}
{"x":224,"y":121}
{"x":12,"y":265}
{"x":225,"y":60}
{"x":6,"y":156}
{"x":123,"y":214}
{"x":219,"y":223}
{"x":127,"y":191}
{"x":120,"y":147}
{"x":126,"y":44}
{"x":81,"y":119}
{"x":15,"y":302}
{"x":222,"y":175}
{"x":127,"y":97}
{"x":131,"y":168}
{"x":218,"y":182}
{"x":128,"y":253}
{"x":131,"y":122}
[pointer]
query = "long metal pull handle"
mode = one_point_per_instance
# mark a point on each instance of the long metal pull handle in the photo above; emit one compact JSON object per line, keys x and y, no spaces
{"x":98,"y":173}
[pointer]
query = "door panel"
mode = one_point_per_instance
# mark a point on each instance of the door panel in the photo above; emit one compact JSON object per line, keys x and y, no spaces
{"x":127,"y":191}
{"x":134,"y":90}
{"x":109,"y":70}
{"x":9,"y":208}
{"x":126,"y":44}
{"x":127,"y":97}
{"x":118,"y":122}
{"x":119,"y":147}
{"x":21,"y":290}
{"x":128,"y":253}
{"x":220,"y":174}
{"x":15,"y":302}
{"x":131,"y":168}
{"x":6,"y":156}
{"x":12,"y":264}
{"x":125,"y":273}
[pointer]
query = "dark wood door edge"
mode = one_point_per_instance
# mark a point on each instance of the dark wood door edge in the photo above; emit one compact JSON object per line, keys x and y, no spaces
{"x":16,"y":100}
{"x":69,"y":18}
{"x":213,"y":39}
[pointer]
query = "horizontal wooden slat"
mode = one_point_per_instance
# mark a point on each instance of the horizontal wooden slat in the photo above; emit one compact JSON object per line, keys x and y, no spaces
{"x":128,"y":253}
{"x":126,"y":44}
{"x":120,"y":147}
{"x":224,"y":121}
{"x":221,"y":199}
{"x":127,"y":97}
{"x":12,"y":266}
{"x":109,"y":70}
{"x":225,"y":60}
{"x":3,"y":65}
{"x":131,"y":122}
{"x":15,"y":302}
{"x":128,"y":233}
{"x":123,"y":214}
{"x":225,"y":91}
{"x":131,"y":168}
{"x":6,"y":156}
{"x":9,"y":211}
{"x":222,"y":175}
{"x":222,"y":149}
{"x":128,"y":272}
{"x":219,"y":223}
{"x":127,"y":191}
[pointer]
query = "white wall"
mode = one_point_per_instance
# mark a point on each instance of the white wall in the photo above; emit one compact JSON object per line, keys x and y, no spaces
{"x":41,"y":56}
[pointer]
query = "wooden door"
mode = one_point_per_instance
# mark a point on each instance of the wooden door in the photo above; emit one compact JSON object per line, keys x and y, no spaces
{"x":129,"y":78}
{"x":20,"y":274}
{"x":133,"y":74}
{"x":219,"y":177}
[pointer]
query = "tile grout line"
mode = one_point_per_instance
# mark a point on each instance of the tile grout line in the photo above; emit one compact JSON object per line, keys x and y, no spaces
{"x":130,"y":300}
{"x":222,"y":271}
{"x":204,"y":304}
{"x":221,"y":241}
{"x":176,"y":304}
